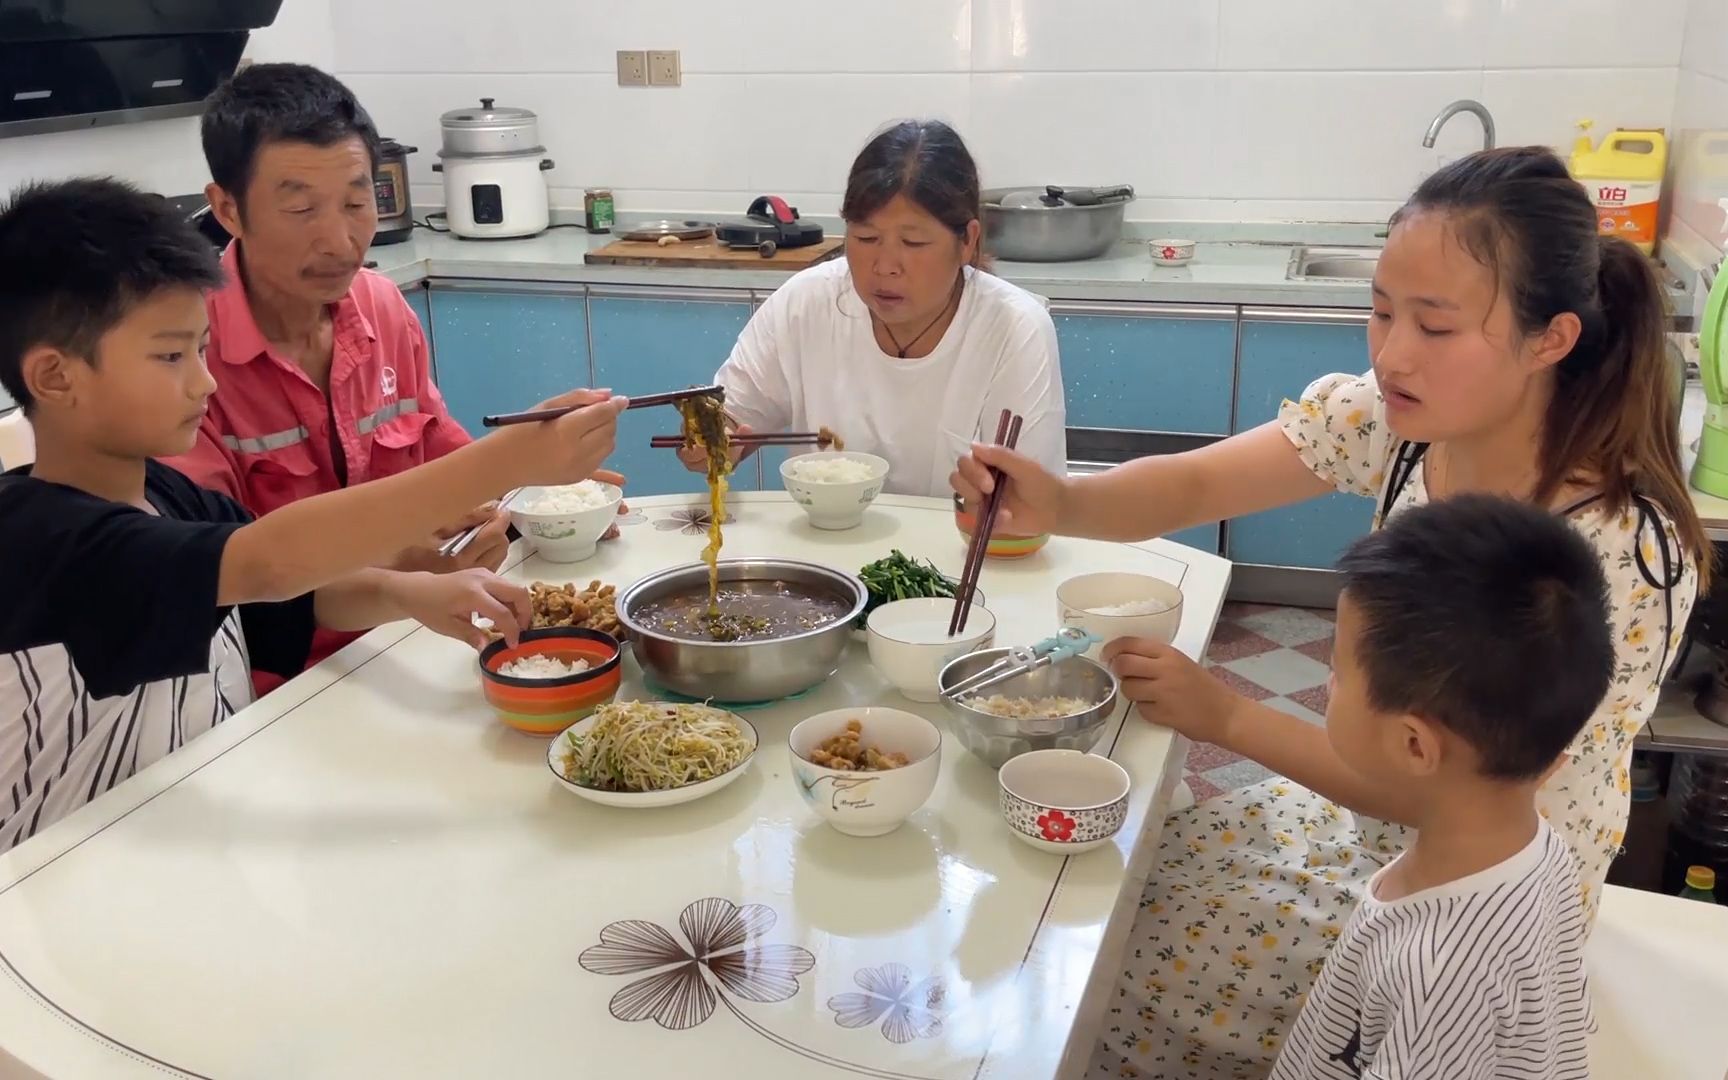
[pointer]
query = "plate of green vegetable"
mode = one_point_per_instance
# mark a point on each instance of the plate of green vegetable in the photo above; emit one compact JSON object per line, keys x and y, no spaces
{"x":901,"y":577}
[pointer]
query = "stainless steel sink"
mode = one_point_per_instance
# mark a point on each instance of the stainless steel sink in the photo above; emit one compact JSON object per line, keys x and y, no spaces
{"x":1345,"y":263}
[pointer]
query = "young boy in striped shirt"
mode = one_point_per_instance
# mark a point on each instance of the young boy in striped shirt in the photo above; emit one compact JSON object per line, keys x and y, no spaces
{"x":132,"y":601}
{"x":1472,"y":647}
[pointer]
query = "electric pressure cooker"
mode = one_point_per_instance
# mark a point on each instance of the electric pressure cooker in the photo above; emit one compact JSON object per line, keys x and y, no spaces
{"x":390,"y":187}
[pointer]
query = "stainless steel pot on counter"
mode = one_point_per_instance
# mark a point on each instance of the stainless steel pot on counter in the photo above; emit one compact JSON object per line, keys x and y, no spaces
{"x":492,"y":163}
{"x":1054,"y":223}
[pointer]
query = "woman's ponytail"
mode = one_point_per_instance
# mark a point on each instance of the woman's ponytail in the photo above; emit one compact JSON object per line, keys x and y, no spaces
{"x":1632,"y":385}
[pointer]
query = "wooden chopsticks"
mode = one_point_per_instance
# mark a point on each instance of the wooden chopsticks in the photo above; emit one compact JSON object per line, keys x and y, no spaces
{"x":643,"y":402}
{"x":766,"y":438}
{"x":1007,"y":434}
{"x":457,"y":544}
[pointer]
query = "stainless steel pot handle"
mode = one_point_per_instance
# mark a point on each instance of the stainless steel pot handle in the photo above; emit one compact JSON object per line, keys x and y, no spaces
{"x":545,"y":164}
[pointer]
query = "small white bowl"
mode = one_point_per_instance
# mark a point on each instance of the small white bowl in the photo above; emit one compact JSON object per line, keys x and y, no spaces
{"x":1169,"y":252}
{"x":867,"y":803}
{"x":565,"y":538}
{"x":1079,"y":599}
{"x":909,"y":642}
{"x":1063,"y":801}
{"x":834,"y":506}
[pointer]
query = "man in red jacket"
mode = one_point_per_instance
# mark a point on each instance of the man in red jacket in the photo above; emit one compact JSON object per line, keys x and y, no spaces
{"x":323,"y":375}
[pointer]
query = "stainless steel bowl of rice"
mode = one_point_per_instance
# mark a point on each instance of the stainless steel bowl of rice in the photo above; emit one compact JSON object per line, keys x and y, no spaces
{"x":1064,"y":706}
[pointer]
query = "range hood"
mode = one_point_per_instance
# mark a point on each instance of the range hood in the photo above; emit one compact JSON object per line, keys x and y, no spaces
{"x":66,"y":65}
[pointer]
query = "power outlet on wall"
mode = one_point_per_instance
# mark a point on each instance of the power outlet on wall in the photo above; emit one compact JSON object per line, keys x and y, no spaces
{"x":632,"y":67}
{"x":664,"y":68}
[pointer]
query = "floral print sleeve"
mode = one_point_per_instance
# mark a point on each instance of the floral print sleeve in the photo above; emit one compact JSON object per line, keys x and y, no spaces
{"x":1587,"y":798}
{"x":1339,"y":428}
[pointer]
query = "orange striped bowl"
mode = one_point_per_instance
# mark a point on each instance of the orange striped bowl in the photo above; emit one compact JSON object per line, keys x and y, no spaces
{"x":547,"y":706}
{"x":1001,"y":546}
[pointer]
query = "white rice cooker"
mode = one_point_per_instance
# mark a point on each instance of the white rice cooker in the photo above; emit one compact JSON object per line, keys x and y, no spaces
{"x":493,"y":163}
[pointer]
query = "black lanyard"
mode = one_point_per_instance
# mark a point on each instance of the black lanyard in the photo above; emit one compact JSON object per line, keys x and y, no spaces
{"x":1408,"y":456}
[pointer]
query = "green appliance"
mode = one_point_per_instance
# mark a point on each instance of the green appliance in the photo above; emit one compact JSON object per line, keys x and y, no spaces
{"x":1710,"y":472}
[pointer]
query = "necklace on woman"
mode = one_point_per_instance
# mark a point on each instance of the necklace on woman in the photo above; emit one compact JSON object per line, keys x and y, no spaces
{"x":901,"y":350}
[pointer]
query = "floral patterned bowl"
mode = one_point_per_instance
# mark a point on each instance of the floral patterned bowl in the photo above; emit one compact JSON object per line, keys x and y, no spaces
{"x":867,"y":803}
{"x":1063,"y":801}
{"x":567,"y":537}
{"x":834,"y":506}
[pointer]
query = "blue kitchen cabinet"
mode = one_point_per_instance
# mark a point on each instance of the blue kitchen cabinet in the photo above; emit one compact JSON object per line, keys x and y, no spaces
{"x":1147,"y":367}
{"x":419,"y":297}
{"x":648,"y":341}
{"x":504,"y":350}
{"x":1282,"y":352}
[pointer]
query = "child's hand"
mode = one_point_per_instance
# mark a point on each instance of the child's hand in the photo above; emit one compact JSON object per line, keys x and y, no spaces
{"x":447,"y":603}
{"x":1032,"y":505}
{"x":1172,"y":690}
{"x":574,"y":446}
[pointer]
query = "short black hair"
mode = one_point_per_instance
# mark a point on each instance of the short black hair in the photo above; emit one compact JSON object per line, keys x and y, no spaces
{"x":268,"y":103}
{"x":1488,"y":617}
{"x":76,"y":255}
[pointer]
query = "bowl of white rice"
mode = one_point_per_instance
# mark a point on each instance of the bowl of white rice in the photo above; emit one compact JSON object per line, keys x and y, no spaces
{"x":565,"y":523}
{"x":834,"y":486}
{"x":1117,"y":605}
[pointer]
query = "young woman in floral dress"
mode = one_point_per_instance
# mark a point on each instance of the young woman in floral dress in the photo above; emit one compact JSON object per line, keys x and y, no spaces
{"x":1514,"y":351}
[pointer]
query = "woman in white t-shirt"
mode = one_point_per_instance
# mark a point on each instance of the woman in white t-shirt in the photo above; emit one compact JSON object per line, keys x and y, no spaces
{"x":906,"y":348}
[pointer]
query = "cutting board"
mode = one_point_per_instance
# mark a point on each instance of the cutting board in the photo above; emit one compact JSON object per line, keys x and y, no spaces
{"x":708,"y":254}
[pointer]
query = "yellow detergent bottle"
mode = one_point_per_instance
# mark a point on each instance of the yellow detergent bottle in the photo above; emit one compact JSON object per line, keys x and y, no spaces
{"x":1624,"y":179}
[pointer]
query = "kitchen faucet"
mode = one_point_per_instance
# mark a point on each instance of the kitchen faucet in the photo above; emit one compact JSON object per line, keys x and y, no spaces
{"x":1454,"y":109}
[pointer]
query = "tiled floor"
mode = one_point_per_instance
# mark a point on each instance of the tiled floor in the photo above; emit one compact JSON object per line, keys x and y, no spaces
{"x":1277,"y":655}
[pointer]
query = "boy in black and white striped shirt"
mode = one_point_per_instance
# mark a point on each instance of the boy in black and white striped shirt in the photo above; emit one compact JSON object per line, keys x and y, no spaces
{"x":1472,"y":646}
{"x":132,"y":601}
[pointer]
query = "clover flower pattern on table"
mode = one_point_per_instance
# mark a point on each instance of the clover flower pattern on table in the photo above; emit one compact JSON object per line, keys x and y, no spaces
{"x":690,"y":520}
{"x":908,"y":1011}
{"x":727,"y":962}
{"x":726,"y":955}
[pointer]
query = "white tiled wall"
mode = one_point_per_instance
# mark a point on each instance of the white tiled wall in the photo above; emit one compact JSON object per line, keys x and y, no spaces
{"x":1283,"y":109}
{"x":1700,"y":163}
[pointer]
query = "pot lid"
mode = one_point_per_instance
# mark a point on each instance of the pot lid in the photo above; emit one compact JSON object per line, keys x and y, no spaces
{"x":487,"y":117}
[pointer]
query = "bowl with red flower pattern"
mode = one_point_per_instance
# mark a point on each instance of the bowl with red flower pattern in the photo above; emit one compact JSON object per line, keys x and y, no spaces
{"x":1063,"y":801}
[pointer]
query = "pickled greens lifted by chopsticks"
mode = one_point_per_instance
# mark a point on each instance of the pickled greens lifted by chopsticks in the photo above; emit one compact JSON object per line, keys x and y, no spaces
{"x":705,"y":426}
{"x":636,"y":746}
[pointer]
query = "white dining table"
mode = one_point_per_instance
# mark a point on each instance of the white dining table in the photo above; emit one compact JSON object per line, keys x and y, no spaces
{"x":365,"y":874}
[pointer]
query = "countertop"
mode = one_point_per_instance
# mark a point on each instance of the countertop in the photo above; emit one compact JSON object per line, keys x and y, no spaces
{"x":1224,"y":271}
{"x":1235,"y":263}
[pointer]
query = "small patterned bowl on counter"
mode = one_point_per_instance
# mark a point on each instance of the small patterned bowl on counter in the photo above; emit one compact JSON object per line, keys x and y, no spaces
{"x":546,"y":706}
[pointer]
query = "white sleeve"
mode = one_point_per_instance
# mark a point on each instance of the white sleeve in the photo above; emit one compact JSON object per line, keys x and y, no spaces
{"x":757,"y":392}
{"x":1029,"y":381}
